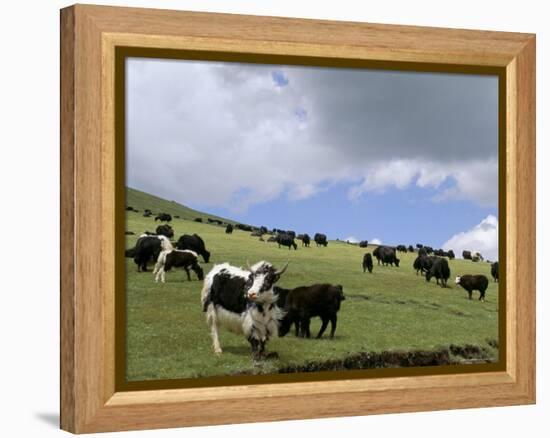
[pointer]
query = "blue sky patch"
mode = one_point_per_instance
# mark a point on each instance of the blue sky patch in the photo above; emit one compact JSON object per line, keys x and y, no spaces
{"x":279,"y":78}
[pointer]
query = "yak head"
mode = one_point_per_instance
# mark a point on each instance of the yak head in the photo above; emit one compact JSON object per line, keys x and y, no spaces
{"x":259,"y":285}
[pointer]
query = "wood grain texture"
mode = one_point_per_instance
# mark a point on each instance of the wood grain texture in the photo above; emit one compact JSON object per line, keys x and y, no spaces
{"x":89,"y":36}
{"x":67,"y":310}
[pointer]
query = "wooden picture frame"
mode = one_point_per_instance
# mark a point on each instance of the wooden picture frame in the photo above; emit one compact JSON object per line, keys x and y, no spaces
{"x":90,"y":36}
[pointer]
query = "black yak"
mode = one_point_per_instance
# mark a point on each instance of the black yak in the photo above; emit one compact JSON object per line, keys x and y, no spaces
{"x":440,"y":270}
{"x":305,"y":302}
{"x":194,"y":243}
{"x":473,"y":282}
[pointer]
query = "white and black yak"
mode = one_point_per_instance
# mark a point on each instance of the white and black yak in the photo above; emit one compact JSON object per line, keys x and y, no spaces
{"x":148,"y":248}
{"x":177,"y":258}
{"x":473,"y":282}
{"x":243,"y":301}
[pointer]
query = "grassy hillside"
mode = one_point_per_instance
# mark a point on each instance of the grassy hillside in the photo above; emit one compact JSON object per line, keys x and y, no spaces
{"x":392,"y":310}
{"x":140,"y":201}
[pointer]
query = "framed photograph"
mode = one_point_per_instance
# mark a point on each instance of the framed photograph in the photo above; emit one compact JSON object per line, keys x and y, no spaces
{"x":312,"y":218}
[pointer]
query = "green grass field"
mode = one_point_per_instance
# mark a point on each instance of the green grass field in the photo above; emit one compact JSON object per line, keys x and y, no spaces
{"x":390,"y":310}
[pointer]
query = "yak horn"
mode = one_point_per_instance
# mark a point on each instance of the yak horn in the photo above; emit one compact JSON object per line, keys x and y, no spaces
{"x":282,"y":271}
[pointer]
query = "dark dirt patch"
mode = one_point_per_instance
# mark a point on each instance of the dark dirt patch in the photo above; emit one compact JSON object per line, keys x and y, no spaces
{"x":493,"y":343}
{"x":358,"y":297}
{"x":397,"y":359}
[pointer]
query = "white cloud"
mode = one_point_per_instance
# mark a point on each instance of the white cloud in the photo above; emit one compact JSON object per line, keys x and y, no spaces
{"x":483,"y":238}
{"x":375,"y":241}
{"x":352,"y":239}
{"x":472,"y":180}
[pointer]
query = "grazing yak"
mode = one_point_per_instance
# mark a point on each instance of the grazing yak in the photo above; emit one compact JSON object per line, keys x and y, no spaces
{"x":244,"y":302}
{"x":130,"y":252}
{"x":229,"y":229}
{"x":163,"y":217}
{"x":244,"y":227}
{"x":410,"y":248}
{"x":148,"y":248}
{"x":305,"y":302}
{"x":320,"y":239}
{"x":305,"y":239}
{"x":286,"y":240}
{"x":494,"y":271}
{"x":423,"y":263}
{"x":386,"y":255}
{"x":194,"y":243}
{"x":467,"y":255}
{"x":440,"y":270}
{"x":401,"y":248}
{"x":367,"y":263}
{"x":147,"y":214}
{"x":177,"y":258}
{"x":473,"y":282}
{"x":165,"y":230}
{"x":363,"y":243}
{"x":198,"y":219}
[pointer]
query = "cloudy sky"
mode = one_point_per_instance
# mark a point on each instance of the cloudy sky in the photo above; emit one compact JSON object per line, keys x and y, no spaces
{"x":400,"y":157}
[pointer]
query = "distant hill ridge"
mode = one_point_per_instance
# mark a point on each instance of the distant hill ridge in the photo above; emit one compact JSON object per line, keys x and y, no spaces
{"x":140,"y":201}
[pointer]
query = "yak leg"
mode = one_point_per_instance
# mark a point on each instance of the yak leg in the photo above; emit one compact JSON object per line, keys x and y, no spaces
{"x":323,"y":327}
{"x":304,"y":328}
{"x":469,"y":294}
{"x":332,"y":325}
{"x":257,"y":348}
{"x":187,"y":272}
{"x":212,"y":321}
